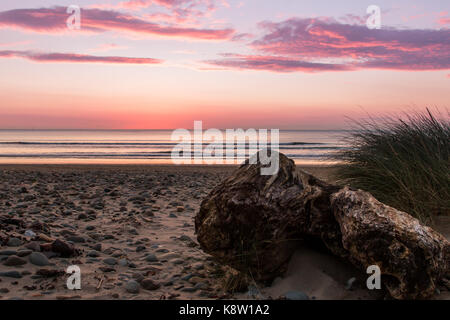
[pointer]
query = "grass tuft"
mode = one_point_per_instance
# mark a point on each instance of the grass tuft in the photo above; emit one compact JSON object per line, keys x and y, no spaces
{"x":403,"y":161}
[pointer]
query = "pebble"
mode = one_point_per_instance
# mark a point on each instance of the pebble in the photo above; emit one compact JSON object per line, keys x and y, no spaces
{"x":140,"y":248}
{"x":63,"y":248}
{"x":149,"y":284}
{"x":132,"y":286}
{"x":82,"y":216}
{"x":11,"y":274}
{"x":14,"y":242}
{"x":110,"y":261}
{"x":123,"y":262}
{"x":24,"y":252}
{"x":35,"y":246}
{"x":13,"y":261}
{"x":296,"y":295}
{"x":201,"y":285}
{"x":177,"y":261}
{"x":39,"y":259}
{"x":8,"y":252}
{"x":187,"y":277}
{"x":198,"y":266}
{"x":29,"y":233}
{"x":93,"y":254}
{"x":76,"y":239}
{"x":151,"y":258}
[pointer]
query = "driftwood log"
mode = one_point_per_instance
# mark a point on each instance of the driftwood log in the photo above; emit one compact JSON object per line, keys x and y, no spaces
{"x":254,"y":223}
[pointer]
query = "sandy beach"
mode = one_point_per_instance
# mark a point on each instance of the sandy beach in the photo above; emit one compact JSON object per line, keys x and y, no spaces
{"x":132,"y":231}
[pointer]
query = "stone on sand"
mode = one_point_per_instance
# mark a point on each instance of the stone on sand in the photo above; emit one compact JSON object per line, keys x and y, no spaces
{"x":38,"y":259}
{"x":13,"y":261}
{"x":132,"y":286}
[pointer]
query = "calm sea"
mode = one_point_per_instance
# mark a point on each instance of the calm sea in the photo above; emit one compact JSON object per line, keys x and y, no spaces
{"x":140,"y":146}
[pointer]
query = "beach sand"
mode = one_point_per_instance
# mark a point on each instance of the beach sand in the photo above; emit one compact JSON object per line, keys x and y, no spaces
{"x":134,"y":224}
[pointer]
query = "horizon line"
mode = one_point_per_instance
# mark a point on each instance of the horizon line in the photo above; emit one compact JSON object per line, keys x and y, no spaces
{"x":191,"y":129}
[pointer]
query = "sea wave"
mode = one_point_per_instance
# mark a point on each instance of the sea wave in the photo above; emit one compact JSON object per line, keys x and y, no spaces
{"x":136,"y":143}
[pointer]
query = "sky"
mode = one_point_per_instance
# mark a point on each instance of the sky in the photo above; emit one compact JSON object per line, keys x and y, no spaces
{"x":161,"y":64}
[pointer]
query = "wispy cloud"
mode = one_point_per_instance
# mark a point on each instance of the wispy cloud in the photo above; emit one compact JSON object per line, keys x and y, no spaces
{"x":53,"y":20}
{"x":275,"y":64}
{"x":324,"y":45}
{"x":74,"y":58}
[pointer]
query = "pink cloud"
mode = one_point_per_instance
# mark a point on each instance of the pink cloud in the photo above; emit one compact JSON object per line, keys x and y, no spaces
{"x":444,"y":21}
{"x":51,"y":20}
{"x":315,"y":42}
{"x":74,"y":58}
{"x":179,"y":10}
{"x":147,"y":3}
{"x":275,"y":64}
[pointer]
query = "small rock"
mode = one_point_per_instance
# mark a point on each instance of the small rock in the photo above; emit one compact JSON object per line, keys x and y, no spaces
{"x":76,"y":239}
{"x":13,"y":261}
{"x":45,"y":238}
{"x":140,"y":248}
{"x":123,"y":262}
{"x":110,"y":261}
{"x":149,"y":284}
{"x":296,"y":295}
{"x":82,"y":216}
{"x":8,"y":252}
{"x":11,"y":274}
{"x":50,"y":273}
{"x":30,"y":233}
{"x":177,"y":261}
{"x":93,"y":254}
{"x":187,"y":277}
{"x":39,"y":259}
{"x":198,"y":266}
{"x":151,"y":258}
{"x":34,"y":246}
{"x":132,"y":286}
{"x":63,"y":248}
{"x":14,"y":242}
{"x":24,"y":252}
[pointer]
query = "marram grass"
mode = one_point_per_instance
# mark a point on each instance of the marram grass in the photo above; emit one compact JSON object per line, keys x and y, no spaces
{"x":403,"y":161}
